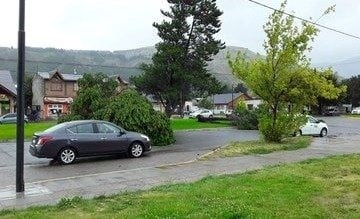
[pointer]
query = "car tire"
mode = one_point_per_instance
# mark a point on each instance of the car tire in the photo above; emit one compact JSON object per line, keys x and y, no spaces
{"x":323,"y":132}
{"x":136,"y":150}
{"x":210,"y":117}
{"x":67,"y":155}
{"x":297,"y":133}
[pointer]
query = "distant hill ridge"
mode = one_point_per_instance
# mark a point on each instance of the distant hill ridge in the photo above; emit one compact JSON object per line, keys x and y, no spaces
{"x":123,"y":62}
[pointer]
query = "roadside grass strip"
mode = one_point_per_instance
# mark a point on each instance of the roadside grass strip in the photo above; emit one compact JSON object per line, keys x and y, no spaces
{"x":235,"y":149}
{"x":317,"y":188}
{"x":356,"y":116}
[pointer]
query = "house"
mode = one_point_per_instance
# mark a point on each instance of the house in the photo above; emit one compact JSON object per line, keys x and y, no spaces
{"x":157,"y":105}
{"x":7,"y":93}
{"x":122,"y":84}
{"x":53,"y":92}
{"x":228,"y":101}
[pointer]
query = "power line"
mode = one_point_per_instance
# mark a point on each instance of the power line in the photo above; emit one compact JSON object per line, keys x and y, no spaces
{"x":306,"y":20}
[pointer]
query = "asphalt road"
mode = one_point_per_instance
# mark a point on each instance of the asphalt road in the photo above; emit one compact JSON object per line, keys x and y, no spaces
{"x":188,"y":146}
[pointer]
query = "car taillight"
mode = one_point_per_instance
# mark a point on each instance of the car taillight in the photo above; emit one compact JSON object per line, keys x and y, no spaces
{"x":43,"y":139}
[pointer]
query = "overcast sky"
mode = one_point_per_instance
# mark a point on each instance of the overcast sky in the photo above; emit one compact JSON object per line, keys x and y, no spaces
{"x":127,"y":24}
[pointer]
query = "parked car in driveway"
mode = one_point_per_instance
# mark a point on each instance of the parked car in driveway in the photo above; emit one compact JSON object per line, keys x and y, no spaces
{"x":332,"y":112}
{"x":356,"y":110}
{"x":207,"y":114}
{"x":313,"y":127}
{"x":67,"y":141}
{"x":11,"y":118}
{"x":195,"y":113}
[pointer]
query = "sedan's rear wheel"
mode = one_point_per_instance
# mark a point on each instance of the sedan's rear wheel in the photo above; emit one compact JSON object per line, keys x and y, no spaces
{"x":67,"y":156}
{"x":323,"y":132}
{"x":136,"y":150}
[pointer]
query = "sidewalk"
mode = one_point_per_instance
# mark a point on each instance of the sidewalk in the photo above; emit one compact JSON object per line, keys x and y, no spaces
{"x":51,"y":191}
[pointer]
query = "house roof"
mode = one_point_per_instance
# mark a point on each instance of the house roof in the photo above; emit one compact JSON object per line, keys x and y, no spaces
{"x":226,"y":98}
{"x":7,"y":82}
{"x":120,"y":79}
{"x":65,"y":77}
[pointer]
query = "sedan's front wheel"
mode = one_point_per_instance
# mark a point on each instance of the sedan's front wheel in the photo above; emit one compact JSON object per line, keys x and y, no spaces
{"x":136,"y":150}
{"x":67,"y":156}
{"x":323,"y":132}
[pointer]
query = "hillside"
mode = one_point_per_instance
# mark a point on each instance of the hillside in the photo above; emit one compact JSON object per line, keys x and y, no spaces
{"x":345,"y":68}
{"x":123,"y":62}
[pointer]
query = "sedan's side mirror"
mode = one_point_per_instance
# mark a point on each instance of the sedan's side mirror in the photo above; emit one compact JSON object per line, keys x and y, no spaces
{"x":121,"y":132}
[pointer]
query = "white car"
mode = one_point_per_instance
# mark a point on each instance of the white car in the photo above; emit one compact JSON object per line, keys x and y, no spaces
{"x":205,"y":113}
{"x":356,"y":110}
{"x":229,"y":112}
{"x":208,"y":114}
{"x":195,"y":113}
{"x":313,"y":127}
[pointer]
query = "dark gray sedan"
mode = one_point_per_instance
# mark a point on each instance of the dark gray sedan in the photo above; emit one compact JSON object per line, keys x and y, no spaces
{"x":69,"y":140}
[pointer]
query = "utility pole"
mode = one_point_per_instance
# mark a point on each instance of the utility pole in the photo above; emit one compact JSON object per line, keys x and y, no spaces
{"x":20,"y":100}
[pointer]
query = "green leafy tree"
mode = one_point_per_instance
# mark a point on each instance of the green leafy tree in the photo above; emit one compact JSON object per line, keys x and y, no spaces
{"x":178,"y":68}
{"x":28,"y":89}
{"x":333,"y":78}
{"x":283,"y":79}
{"x":205,"y":103}
{"x":97,"y":98}
{"x":134,"y":112}
{"x":353,"y":91}
{"x":94,"y":92}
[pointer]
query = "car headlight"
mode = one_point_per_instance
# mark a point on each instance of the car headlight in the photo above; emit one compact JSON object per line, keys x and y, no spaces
{"x":146,"y":137}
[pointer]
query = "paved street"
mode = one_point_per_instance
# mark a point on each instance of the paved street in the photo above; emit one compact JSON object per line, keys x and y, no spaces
{"x":189,"y":145}
{"x":47,"y":183}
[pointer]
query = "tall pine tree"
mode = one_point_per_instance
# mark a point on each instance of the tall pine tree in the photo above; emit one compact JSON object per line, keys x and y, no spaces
{"x":178,"y":68}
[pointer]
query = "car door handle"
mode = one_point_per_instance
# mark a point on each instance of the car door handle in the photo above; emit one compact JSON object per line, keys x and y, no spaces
{"x":73,"y":139}
{"x":103,"y":138}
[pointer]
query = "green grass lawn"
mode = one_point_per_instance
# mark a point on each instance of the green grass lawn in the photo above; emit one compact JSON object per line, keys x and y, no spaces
{"x":260,"y":147}
{"x":321,"y":188}
{"x":352,"y":116}
{"x":8,"y":131}
{"x":183,"y":124}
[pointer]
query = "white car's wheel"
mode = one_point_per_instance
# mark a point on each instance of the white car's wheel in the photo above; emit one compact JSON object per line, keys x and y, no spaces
{"x":323,"y":132}
{"x":297,"y":133}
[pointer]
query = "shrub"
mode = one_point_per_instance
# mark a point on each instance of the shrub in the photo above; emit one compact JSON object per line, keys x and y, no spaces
{"x":285,"y":124}
{"x":243,"y":118}
{"x":134,"y":112}
{"x":69,"y":117}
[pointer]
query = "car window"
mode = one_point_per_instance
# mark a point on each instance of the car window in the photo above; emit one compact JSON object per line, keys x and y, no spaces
{"x":106,"y":128}
{"x":72,"y":129}
{"x":312,"y":120}
{"x":85,"y":128}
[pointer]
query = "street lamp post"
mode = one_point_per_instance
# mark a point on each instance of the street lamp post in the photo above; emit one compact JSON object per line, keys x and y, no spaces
{"x":20,"y":100}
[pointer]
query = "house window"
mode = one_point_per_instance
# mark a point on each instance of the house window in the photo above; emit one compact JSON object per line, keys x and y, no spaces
{"x":56,"y":86}
{"x":54,"y":109}
{"x":76,"y":86}
{"x":250,"y":106}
